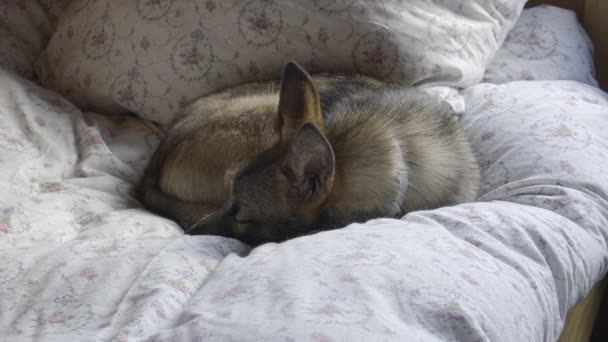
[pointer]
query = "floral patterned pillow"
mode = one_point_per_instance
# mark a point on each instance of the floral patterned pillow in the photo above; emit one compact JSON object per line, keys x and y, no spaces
{"x":150,"y":57}
{"x":546,"y":43}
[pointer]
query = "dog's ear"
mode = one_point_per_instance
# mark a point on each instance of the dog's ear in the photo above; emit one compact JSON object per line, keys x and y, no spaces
{"x":310,"y":164}
{"x":298,"y":102}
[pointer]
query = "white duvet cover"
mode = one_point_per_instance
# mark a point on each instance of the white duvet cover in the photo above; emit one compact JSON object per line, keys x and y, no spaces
{"x":81,"y":261}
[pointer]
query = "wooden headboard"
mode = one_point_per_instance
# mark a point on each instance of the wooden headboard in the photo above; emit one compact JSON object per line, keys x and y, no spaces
{"x":593,"y":14}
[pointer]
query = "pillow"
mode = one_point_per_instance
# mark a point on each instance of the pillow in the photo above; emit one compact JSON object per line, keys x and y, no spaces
{"x":547,"y":43}
{"x":24,"y":30}
{"x":54,"y":8}
{"x":150,"y":57}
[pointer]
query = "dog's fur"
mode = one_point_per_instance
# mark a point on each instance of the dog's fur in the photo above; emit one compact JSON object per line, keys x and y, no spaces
{"x":270,"y":161}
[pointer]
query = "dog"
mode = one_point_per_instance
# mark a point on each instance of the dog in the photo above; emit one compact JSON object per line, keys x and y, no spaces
{"x":269,"y":161}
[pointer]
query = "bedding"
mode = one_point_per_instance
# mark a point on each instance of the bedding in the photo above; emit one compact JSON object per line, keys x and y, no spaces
{"x":54,"y":9}
{"x":82,"y":261}
{"x":546,"y":43}
{"x":25,"y":28}
{"x":151,"y":57}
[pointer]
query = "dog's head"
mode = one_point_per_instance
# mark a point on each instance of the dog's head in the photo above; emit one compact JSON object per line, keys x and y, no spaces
{"x":279,"y":195}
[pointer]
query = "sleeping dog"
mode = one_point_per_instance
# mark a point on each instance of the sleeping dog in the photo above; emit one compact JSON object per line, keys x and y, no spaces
{"x":274,"y":160}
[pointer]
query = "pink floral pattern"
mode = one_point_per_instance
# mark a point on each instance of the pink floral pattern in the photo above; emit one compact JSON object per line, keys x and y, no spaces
{"x":191,"y":48}
{"x":546,"y":43}
{"x":78,"y":252}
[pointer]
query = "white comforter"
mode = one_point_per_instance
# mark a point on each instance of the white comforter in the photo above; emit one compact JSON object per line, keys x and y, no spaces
{"x":80,"y":260}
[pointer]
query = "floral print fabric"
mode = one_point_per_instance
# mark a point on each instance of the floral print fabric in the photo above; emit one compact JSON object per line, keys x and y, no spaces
{"x":546,"y":43}
{"x":151,"y":57}
{"x":82,"y":261}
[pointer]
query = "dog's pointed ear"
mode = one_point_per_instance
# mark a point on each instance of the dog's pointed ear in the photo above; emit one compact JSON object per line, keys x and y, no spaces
{"x":310,"y":164}
{"x":298,"y":101}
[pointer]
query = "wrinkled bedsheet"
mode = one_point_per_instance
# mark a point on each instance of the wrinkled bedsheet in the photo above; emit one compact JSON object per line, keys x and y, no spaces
{"x":81,"y":261}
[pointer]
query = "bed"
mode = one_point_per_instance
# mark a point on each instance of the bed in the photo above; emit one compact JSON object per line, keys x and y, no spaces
{"x":82,"y":260}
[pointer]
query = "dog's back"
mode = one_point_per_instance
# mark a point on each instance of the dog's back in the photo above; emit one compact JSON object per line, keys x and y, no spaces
{"x":393,"y":149}
{"x":399,"y":150}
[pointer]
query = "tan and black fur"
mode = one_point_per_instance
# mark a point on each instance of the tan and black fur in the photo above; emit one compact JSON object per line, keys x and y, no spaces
{"x":270,"y":161}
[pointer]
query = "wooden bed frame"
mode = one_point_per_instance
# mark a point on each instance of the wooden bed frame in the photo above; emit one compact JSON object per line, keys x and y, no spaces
{"x":580,"y":322}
